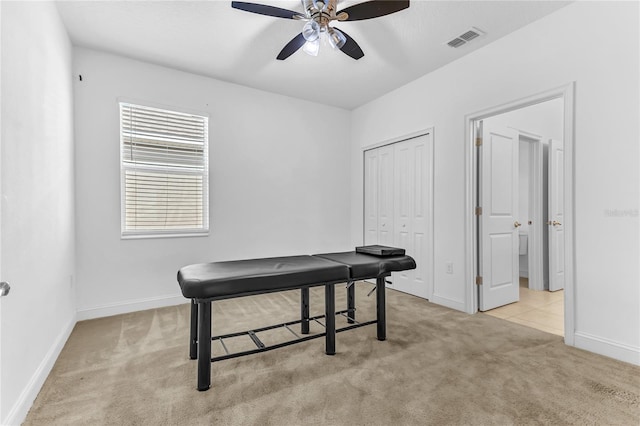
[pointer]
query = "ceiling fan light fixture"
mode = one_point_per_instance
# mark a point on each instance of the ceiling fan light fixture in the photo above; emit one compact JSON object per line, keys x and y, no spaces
{"x":336,"y":38}
{"x":318,"y":14}
{"x":311,"y":31}
{"x":320,"y":5}
{"x":311,"y":48}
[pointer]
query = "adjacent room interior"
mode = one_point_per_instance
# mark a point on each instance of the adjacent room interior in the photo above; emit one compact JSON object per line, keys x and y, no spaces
{"x":496,"y":143}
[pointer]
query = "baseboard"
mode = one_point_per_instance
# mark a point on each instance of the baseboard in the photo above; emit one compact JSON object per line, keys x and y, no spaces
{"x":449,"y":303}
{"x":130,"y":306}
{"x":607,"y":347}
{"x":19,"y":411}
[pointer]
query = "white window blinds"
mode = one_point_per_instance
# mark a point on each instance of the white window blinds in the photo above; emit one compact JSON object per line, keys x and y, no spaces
{"x":164,"y":171}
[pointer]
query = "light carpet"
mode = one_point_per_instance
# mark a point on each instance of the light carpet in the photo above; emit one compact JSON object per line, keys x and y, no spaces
{"x":437,"y":366}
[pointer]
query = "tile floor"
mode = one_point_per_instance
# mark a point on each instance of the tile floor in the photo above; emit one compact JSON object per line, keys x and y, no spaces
{"x":542,"y":310}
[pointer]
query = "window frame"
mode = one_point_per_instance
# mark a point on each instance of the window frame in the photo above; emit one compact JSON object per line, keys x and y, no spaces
{"x":159,"y":233}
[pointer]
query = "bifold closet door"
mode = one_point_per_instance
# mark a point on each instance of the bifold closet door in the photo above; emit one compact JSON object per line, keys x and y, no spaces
{"x":397,"y":208}
{"x":386,"y":176}
{"x":410,"y":211}
{"x":371,"y":197}
{"x":378,"y":196}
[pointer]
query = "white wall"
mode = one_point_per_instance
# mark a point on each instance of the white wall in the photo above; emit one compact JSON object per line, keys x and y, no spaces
{"x":603,"y":61}
{"x":37,"y":234}
{"x":278,"y":168}
{"x":543,"y":119}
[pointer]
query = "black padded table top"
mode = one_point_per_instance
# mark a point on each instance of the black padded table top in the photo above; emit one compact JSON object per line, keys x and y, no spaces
{"x":254,"y":276}
{"x":363,"y":266}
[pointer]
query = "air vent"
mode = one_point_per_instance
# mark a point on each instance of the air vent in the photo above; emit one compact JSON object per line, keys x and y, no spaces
{"x":469,"y":35}
{"x":456,"y":42}
{"x":465,"y":37}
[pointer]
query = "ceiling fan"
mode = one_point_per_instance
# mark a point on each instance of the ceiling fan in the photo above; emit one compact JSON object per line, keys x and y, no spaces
{"x":318,"y":14}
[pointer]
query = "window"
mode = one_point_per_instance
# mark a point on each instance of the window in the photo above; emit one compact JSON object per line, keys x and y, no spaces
{"x":164,"y":168}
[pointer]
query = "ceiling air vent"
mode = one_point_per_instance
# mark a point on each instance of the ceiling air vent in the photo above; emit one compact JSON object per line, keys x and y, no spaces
{"x":465,"y":37}
{"x":456,"y":42}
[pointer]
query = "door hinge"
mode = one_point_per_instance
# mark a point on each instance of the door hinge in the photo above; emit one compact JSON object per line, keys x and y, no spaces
{"x":478,"y":211}
{"x":478,"y":141}
{"x":478,"y":280}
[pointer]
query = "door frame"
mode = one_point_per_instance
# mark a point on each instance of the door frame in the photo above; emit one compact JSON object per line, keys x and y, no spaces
{"x":567,"y":93}
{"x":536,"y":246}
{"x":428,"y":131}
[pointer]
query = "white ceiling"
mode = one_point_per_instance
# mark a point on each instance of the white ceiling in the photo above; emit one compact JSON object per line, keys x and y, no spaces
{"x":212,"y":39}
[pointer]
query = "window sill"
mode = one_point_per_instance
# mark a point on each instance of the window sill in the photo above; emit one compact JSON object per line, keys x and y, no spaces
{"x":134,"y":236}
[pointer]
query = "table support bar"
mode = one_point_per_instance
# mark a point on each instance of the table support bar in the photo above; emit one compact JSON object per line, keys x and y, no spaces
{"x":287,"y":343}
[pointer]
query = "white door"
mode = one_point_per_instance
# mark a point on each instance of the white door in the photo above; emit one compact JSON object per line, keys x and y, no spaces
{"x":556,"y":215}
{"x":385,"y":195}
{"x":2,"y":414}
{"x":371,"y":197}
{"x":498,"y":233}
{"x":378,"y":196}
{"x":411,"y":212}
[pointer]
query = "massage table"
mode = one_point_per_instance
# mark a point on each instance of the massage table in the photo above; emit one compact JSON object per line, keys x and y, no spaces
{"x":207,"y":282}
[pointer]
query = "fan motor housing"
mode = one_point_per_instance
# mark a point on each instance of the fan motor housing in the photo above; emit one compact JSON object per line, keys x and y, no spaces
{"x":324,"y":16}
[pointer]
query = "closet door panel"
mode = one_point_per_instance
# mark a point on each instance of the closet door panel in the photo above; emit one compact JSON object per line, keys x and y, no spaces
{"x":420,"y":213}
{"x":403,"y":197}
{"x":371,"y":197}
{"x":385,"y":195}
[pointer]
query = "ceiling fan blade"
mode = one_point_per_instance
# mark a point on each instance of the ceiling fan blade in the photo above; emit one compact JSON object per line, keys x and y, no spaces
{"x":374,"y":9}
{"x":292,"y":47}
{"x":263,"y":9}
{"x":351,"y":48}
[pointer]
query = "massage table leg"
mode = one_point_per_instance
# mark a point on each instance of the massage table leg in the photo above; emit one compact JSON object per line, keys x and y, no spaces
{"x":380,"y":308}
{"x":330,"y":318}
{"x":193,"y":344}
{"x":351,"y":302}
{"x":204,"y":346}
{"x":304,"y":310}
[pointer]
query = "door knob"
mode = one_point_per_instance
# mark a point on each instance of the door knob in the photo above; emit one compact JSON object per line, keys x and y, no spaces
{"x":554,"y":223}
{"x":404,"y":225}
{"x":517,"y":224}
{"x":4,"y":289}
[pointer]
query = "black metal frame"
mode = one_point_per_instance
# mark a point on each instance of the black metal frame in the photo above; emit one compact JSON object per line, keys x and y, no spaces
{"x":201,"y":327}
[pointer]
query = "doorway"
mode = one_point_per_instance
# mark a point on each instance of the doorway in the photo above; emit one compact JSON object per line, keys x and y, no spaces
{"x":538,"y":305}
{"x":516,"y":253}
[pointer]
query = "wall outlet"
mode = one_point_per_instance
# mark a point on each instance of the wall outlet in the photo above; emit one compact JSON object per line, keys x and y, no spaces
{"x":449,"y":266}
